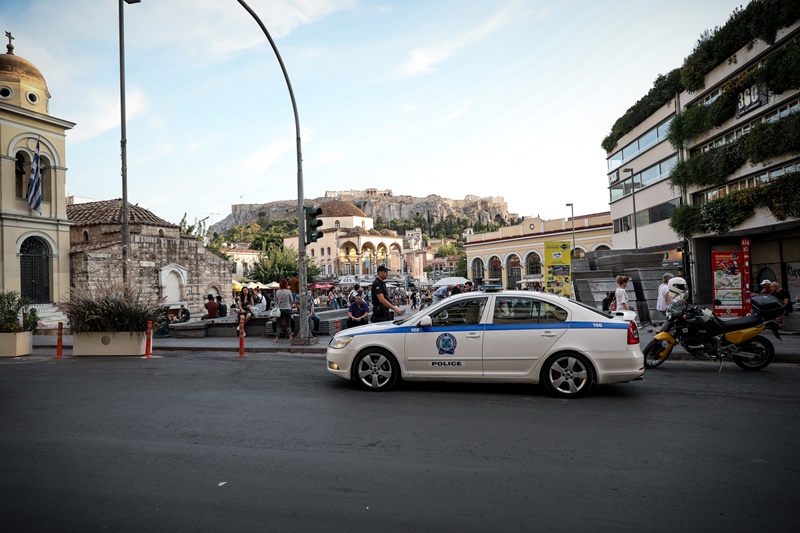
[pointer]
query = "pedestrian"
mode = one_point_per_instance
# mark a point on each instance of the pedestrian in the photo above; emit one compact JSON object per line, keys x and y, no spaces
{"x":222,"y":308}
{"x":607,"y":300}
{"x":413,"y":300}
{"x":621,"y":295}
{"x":664,"y":298}
{"x":455,"y":290}
{"x":294,"y":286}
{"x":468,"y":286}
{"x":766,"y":287}
{"x":380,"y":297}
{"x":246,"y":304}
{"x":284,"y":299}
{"x":357,"y":313}
{"x":441,"y":293}
{"x":212,"y":308}
{"x":783,"y":295}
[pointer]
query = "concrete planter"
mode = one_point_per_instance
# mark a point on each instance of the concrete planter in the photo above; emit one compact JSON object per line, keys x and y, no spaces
{"x":16,"y":344}
{"x":108,"y":343}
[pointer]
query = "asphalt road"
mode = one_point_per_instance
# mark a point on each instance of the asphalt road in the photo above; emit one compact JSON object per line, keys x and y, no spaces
{"x":210,"y":442}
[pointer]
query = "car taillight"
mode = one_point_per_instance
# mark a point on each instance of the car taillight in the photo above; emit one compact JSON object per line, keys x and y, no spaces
{"x":633,"y":333}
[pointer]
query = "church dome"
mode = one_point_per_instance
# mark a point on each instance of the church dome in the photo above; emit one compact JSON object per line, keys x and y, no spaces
{"x":338,"y":208}
{"x":14,"y":68}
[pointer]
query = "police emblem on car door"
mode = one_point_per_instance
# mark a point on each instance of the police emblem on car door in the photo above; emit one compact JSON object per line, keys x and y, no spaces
{"x":452,"y":345}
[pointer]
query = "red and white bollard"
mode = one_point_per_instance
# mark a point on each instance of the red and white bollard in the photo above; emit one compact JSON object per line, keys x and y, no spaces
{"x":148,"y":343}
{"x":336,"y":327}
{"x":241,"y":335}
{"x":60,"y":341}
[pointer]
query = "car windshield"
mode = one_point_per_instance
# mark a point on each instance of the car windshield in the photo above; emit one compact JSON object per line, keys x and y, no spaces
{"x":410,"y":317}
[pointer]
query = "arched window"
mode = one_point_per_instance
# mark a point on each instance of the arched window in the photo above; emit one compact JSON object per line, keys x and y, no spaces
{"x":160,"y":232}
{"x":578,"y":253}
{"x":329,"y":250}
{"x":322,"y":251}
{"x":21,"y":166}
{"x":85,"y":236}
{"x":514,"y":271}
{"x":312,"y":252}
{"x":477,"y":270}
{"x":533,"y":265}
{"x":336,"y":224}
{"x":495,"y":268}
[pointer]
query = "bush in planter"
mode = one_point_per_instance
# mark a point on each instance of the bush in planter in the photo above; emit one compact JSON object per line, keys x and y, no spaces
{"x":113,"y":308}
{"x":11,"y":303}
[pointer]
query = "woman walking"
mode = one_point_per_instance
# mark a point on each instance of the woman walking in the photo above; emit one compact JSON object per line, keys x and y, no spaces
{"x":621,"y":294}
{"x":284,"y":299}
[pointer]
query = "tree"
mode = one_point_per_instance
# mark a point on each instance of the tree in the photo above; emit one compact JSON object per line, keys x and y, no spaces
{"x":461,"y":267}
{"x":277,"y":263}
{"x":446,"y":250}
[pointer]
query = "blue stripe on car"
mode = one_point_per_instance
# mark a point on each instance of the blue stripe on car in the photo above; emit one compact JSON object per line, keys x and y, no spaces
{"x":497,"y":327}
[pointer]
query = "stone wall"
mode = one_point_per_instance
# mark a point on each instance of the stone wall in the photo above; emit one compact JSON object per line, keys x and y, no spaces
{"x":205,"y":270}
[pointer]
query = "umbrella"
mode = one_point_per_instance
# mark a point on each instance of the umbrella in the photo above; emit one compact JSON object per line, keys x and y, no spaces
{"x":272,"y":285}
{"x":320,"y":286}
{"x":236,"y":285}
{"x":454,"y":280}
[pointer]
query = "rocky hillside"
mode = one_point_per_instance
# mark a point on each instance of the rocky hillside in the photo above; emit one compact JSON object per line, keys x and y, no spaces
{"x":475,"y":208}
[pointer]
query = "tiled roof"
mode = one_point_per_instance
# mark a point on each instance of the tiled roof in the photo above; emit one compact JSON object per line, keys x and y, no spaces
{"x":338,"y":208}
{"x":88,"y":246}
{"x":110,"y":212}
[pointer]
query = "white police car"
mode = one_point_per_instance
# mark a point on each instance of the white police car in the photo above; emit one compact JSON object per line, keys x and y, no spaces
{"x":506,"y":336}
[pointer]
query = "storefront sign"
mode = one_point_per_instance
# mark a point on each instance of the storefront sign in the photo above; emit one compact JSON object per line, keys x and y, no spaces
{"x":793,"y":280}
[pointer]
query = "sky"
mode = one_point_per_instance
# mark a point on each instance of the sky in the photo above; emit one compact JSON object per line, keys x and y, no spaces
{"x":506,"y":98}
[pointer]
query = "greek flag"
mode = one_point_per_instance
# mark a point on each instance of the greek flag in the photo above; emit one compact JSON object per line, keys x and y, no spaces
{"x":35,"y":183}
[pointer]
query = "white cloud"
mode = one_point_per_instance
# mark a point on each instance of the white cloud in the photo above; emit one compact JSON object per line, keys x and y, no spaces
{"x":100,"y":112}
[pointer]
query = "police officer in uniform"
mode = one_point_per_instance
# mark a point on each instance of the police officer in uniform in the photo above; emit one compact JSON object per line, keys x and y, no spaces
{"x":380,"y":298}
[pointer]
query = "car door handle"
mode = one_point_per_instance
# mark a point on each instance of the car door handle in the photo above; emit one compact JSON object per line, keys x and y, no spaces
{"x":473,"y":336}
{"x":548,"y":334}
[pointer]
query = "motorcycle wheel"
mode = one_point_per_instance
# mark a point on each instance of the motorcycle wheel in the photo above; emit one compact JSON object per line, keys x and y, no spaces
{"x":651,"y":351}
{"x":763,"y":349}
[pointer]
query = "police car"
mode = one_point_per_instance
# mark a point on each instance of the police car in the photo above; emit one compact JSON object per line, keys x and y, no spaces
{"x":504,"y":336}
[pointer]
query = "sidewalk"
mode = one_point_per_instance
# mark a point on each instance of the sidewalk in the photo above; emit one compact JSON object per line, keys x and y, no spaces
{"x":787,"y":350}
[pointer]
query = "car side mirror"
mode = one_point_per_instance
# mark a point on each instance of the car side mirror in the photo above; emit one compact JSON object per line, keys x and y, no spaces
{"x":425,"y":322}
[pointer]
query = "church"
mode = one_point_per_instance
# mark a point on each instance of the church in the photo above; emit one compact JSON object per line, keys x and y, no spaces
{"x":35,"y":245}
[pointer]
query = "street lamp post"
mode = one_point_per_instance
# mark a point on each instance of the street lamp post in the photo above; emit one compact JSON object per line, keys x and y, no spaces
{"x":633,"y":198}
{"x":305,"y":337}
{"x":126,"y":230}
{"x":572,"y":212}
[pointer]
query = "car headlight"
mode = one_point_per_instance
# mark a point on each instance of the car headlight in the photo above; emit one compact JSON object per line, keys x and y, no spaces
{"x":337,"y":343}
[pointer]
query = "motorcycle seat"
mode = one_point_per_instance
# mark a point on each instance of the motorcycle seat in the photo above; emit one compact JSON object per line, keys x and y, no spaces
{"x":741,"y":323}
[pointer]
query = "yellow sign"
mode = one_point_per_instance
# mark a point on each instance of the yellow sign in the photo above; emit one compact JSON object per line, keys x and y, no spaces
{"x":557,"y":262}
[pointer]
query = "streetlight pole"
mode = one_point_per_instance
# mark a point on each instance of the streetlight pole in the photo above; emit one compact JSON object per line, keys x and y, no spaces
{"x":126,"y":230}
{"x":305,"y":337}
{"x":572,"y":211}
{"x":633,"y":198}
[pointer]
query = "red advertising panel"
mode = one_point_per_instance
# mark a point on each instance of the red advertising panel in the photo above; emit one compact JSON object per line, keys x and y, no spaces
{"x":728,"y":283}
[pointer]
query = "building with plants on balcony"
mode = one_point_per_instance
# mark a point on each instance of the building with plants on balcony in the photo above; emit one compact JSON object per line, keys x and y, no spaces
{"x":708,"y":162}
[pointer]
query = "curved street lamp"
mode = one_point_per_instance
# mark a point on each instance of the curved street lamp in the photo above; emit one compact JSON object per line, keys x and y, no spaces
{"x":305,"y":337}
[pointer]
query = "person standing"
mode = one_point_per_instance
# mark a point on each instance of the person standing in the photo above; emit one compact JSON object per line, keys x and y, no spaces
{"x":413,"y":300}
{"x":380,"y":297}
{"x":607,"y":300}
{"x":621,"y":294}
{"x":783,"y":295}
{"x":441,"y":293}
{"x":357,"y":313}
{"x":663,"y":294}
{"x":212,"y":308}
{"x":468,"y":286}
{"x":766,"y":287}
{"x":284,"y":299}
{"x":294,"y":286}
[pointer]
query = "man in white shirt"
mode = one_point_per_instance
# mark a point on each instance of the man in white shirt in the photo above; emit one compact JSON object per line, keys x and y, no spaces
{"x":663,"y":294}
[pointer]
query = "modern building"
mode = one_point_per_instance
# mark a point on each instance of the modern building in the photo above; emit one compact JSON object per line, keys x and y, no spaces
{"x":34,"y":247}
{"x":721,"y":159}
{"x":515,"y":254}
{"x":350,"y":245}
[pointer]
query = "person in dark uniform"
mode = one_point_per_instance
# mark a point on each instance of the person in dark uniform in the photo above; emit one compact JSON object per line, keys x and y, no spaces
{"x":380,"y":298}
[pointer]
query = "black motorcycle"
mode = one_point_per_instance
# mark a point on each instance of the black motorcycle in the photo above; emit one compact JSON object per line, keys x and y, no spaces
{"x":705,"y":336}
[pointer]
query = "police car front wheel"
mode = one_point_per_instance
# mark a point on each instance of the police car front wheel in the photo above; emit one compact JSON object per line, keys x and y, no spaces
{"x":375,"y":370}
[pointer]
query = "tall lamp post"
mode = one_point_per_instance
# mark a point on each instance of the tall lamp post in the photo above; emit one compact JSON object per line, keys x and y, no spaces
{"x":633,"y":198}
{"x":572,"y":212}
{"x":305,"y":337}
{"x":126,"y":230}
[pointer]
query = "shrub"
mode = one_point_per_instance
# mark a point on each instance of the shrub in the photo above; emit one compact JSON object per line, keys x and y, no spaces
{"x":113,"y":308}
{"x":11,"y":304}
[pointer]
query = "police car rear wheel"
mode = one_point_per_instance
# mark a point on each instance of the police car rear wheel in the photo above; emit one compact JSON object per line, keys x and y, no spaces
{"x":375,"y":370}
{"x":568,"y":375}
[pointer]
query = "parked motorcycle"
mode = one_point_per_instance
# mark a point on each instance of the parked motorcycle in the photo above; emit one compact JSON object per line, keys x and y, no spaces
{"x":704,"y":335}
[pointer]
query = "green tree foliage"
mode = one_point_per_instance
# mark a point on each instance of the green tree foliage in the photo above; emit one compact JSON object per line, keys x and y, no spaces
{"x":278,"y":263}
{"x":446,"y":250}
{"x":461,"y":267}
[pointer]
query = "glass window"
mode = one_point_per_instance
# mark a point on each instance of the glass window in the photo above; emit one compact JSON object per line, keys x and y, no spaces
{"x":668,"y":165}
{"x":516,"y":310}
{"x":630,"y":151}
{"x":462,"y":313}
{"x":615,"y":161}
{"x":648,"y":139}
{"x":663,"y":211}
{"x":534,"y":264}
{"x":663,"y":130}
{"x":651,"y":175}
{"x":616,"y":192}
